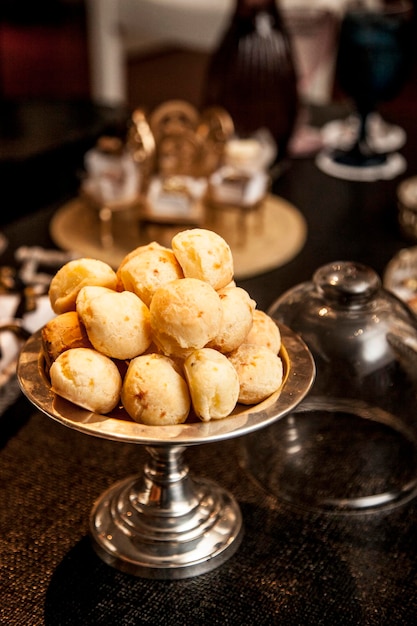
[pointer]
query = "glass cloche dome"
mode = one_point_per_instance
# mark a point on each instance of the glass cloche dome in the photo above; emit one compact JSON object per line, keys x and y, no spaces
{"x":351,"y":445}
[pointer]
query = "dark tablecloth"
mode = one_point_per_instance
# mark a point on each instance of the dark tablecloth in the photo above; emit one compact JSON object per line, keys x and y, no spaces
{"x":293,"y":567}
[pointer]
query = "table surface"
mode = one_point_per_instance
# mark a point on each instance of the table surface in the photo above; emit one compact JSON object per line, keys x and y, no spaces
{"x":294,"y":567}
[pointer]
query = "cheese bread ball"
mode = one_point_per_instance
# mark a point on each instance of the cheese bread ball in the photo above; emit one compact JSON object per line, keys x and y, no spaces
{"x":147,"y":271}
{"x":203,"y":254}
{"x":154,"y":392}
{"x":153,"y":245}
{"x":86,"y":378}
{"x":236,"y":323}
{"x":117,"y":323}
{"x":61,"y":333}
{"x":185,"y":315}
{"x":231,"y":284}
{"x":259,"y":370}
{"x":213,"y":383}
{"x":264,"y":332}
{"x":74,"y":275}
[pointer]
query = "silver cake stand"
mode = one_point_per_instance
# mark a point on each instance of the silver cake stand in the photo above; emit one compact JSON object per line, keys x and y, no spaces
{"x":163,"y":523}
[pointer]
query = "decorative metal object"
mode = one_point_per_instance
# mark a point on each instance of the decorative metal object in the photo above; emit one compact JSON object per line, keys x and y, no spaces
{"x":163,"y":523}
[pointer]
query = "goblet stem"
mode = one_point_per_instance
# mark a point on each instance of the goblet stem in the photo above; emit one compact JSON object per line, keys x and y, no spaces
{"x":164,"y":524}
{"x":361,"y":153}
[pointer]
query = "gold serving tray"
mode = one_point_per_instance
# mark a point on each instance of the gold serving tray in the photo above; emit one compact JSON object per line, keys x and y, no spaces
{"x":260,"y":239}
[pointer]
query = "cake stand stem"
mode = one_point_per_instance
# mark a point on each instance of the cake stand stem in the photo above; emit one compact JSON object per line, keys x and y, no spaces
{"x":164,"y":524}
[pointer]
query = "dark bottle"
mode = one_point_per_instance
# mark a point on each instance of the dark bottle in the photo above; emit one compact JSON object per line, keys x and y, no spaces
{"x":252,"y":74}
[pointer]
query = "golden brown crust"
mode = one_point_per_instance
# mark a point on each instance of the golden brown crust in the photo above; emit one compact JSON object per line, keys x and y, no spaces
{"x":87,"y":378}
{"x":238,"y":309}
{"x":213,"y":383}
{"x":185,"y":315}
{"x":117,"y":323}
{"x":145,"y":272}
{"x":205,"y":255}
{"x":154,"y":392}
{"x":74,"y":275}
{"x":259,"y":370}
{"x":264,"y":332}
{"x":61,"y":333}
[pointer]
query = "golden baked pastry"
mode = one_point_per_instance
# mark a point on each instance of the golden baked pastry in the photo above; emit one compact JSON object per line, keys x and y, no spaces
{"x":147,"y":271}
{"x":154,"y":392}
{"x":86,"y":378}
{"x":63,"y":332}
{"x":185,"y":315}
{"x":117,"y":322}
{"x":238,"y":308}
{"x":74,"y":275}
{"x":264,"y":332}
{"x":153,"y":245}
{"x":259,"y":370}
{"x":213,"y":383}
{"x":174,"y":326}
{"x":205,"y":255}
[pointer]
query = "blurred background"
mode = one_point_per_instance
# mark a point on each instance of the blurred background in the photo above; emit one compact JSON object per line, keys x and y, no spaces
{"x":96,"y":56}
{"x":139,"y":52}
{"x":43,"y":49}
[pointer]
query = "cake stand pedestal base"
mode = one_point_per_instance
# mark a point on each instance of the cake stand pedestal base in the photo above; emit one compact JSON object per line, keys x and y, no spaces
{"x":163,"y":524}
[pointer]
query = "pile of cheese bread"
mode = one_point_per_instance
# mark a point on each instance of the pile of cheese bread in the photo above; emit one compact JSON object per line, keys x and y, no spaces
{"x":168,"y":335}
